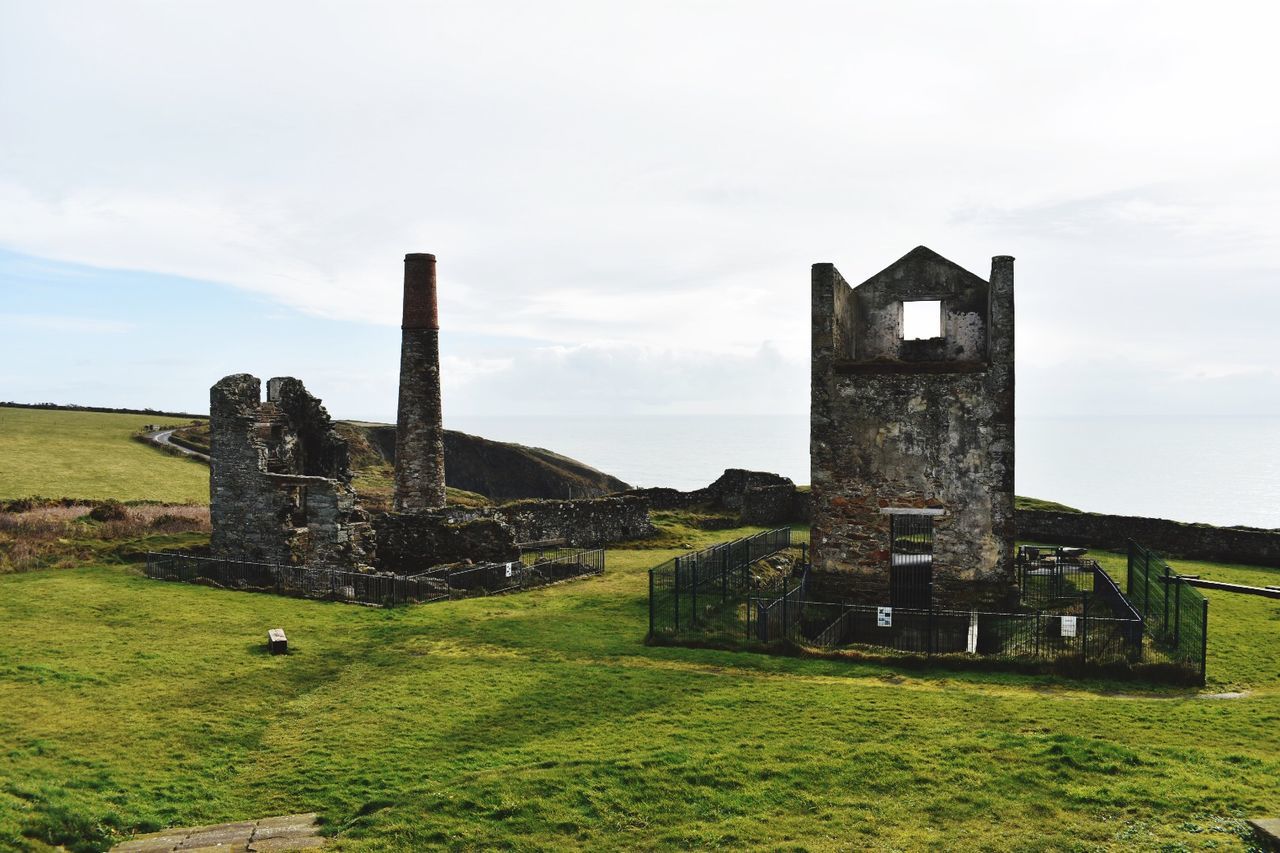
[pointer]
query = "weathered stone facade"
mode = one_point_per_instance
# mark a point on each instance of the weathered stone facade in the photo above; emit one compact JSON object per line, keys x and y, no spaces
{"x":924,"y":425}
{"x":279,"y":483}
{"x":419,"y":419}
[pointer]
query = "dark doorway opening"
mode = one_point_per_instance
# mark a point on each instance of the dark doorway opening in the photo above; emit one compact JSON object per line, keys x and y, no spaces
{"x":911,"y":560}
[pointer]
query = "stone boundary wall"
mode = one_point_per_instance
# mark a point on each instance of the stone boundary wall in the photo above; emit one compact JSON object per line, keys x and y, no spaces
{"x":1249,"y":545}
{"x":586,"y":523}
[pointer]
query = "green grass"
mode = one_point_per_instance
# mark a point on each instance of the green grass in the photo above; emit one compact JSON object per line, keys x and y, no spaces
{"x":91,"y":455}
{"x":1019,"y":502}
{"x":541,"y":720}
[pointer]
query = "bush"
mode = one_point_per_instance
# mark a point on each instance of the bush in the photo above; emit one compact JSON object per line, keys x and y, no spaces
{"x":109,"y":511}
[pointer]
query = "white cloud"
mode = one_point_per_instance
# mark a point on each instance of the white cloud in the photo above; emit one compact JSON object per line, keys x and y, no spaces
{"x":658,"y":177}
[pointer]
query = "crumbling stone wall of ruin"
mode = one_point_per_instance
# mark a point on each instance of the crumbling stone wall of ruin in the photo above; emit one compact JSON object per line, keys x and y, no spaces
{"x":913,"y":424}
{"x":409,"y":543}
{"x":585,"y":523}
{"x":279,"y":482}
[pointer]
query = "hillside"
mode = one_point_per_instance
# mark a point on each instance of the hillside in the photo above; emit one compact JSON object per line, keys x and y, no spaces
{"x":80,"y":454}
{"x":77,"y":453}
{"x":499,"y":470}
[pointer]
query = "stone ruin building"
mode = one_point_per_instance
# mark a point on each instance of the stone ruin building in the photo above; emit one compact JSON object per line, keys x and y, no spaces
{"x":911,"y":440}
{"x":280,"y":481}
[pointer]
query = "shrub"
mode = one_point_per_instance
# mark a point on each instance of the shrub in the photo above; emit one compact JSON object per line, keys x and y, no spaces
{"x":110,"y":510}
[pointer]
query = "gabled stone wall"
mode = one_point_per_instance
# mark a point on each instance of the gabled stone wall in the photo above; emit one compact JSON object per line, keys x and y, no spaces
{"x":913,"y":424}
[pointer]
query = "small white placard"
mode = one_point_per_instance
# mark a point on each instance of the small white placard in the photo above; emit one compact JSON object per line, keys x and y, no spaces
{"x":884,"y":617}
{"x":1068,"y":626}
{"x":511,"y":569}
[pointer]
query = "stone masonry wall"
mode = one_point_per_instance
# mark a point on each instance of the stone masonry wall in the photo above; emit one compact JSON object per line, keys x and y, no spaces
{"x":913,"y":425}
{"x":409,"y":543}
{"x":1250,"y":545}
{"x":419,"y":467}
{"x":580,"y":523}
{"x":279,"y":483}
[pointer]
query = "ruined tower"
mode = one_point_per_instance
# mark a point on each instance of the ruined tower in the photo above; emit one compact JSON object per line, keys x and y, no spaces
{"x":419,"y":426}
{"x":911,"y":434}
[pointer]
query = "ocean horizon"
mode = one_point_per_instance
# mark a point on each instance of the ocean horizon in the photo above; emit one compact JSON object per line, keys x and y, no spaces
{"x":1222,"y":470}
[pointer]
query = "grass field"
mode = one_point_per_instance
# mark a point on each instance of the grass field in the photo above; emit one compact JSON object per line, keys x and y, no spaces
{"x":90,"y":455}
{"x":541,"y":720}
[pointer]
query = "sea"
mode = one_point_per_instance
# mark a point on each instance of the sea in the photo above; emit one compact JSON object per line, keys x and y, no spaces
{"x":1215,"y":470}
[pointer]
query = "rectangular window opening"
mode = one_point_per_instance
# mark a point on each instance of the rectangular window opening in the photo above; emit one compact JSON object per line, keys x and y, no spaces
{"x":921,"y":320}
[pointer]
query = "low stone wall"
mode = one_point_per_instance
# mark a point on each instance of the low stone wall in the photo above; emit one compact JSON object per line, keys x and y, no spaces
{"x":758,"y":496}
{"x":410,"y":542}
{"x":580,"y":523}
{"x":1250,"y":545}
{"x":768,"y":504}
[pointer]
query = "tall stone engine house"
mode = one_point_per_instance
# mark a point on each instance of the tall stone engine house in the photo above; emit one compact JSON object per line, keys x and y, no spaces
{"x":911,"y":434}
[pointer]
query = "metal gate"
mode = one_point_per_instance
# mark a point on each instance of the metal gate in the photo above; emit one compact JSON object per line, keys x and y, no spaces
{"x":911,"y":560}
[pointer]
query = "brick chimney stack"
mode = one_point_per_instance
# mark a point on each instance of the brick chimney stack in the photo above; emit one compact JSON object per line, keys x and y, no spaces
{"x":419,"y":420}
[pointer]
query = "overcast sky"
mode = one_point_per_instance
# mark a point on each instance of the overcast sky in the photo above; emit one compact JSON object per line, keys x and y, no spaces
{"x":625,"y":198}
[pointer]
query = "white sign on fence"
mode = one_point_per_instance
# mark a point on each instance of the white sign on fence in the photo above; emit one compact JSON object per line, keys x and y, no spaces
{"x":1068,"y":626}
{"x":884,"y":617}
{"x":511,"y":569}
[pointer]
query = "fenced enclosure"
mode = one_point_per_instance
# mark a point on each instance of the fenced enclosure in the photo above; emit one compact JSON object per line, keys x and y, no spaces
{"x":382,"y":590}
{"x":1176,"y":614}
{"x":1071,"y":612}
{"x":701,"y":594}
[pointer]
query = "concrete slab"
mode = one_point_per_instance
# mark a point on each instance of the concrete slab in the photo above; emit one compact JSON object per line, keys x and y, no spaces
{"x":1267,"y":831}
{"x":312,"y":842}
{"x":155,"y":842}
{"x":226,"y":835}
{"x":294,"y":825}
{"x":286,"y":832}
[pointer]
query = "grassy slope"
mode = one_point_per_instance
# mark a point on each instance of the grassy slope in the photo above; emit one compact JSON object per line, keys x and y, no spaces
{"x":90,"y":455}
{"x":541,"y":720}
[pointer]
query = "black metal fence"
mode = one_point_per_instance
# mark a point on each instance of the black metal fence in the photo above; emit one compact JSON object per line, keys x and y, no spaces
{"x":702,"y":594}
{"x":1072,"y":611}
{"x":382,"y":590}
{"x":1176,"y":614}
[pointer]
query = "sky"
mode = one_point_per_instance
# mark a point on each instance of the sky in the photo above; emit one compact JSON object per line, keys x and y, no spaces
{"x":625,"y":198}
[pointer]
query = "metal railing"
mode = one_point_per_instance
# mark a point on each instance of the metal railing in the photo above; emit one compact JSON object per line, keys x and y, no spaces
{"x":1176,"y":614}
{"x":1072,"y":612}
{"x":701,"y":592}
{"x":382,"y":590}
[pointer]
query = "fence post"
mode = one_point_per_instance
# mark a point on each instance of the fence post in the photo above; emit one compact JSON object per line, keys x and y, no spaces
{"x":1084,"y":633}
{"x":1038,"y":630}
{"x":1177,"y":614}
{"x":1204,"y":640}
{"x":676,"y":589}
{"x":724,"y":576}
{"x":1128,"y":576}
{"x":1164,"y":626}
{"x":1146,"y":583}
{"x":784,"y":608}
{"x":651,"y":602}
{"x":693,"y":591}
